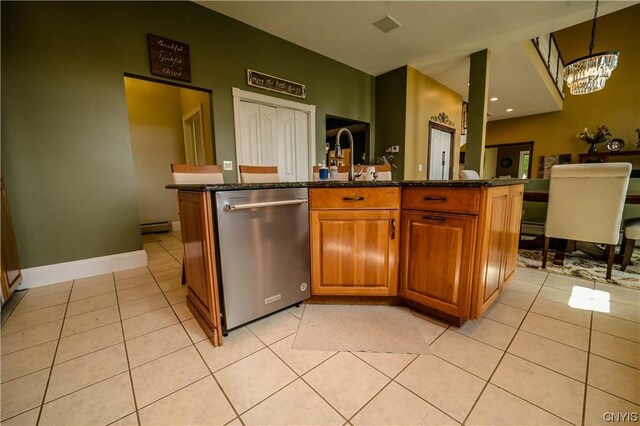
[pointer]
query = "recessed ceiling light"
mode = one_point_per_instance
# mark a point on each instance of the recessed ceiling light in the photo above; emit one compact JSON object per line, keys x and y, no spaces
{"x":509,"y":109}
{"x":493,"y":99}
{"x":387,"y":24}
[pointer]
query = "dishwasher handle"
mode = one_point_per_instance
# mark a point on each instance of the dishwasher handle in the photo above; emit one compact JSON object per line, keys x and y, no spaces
{"x":233,"y":207}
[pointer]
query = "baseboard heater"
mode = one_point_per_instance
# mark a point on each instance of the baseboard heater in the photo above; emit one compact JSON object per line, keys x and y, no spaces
{"x":151,"y":228}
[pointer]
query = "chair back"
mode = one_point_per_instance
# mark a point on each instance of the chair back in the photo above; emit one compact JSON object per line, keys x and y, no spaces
{"x":343,"y":173}
{"x":586,"y":201}
{"x":259,"y":174}
{"x":383,"y":171}
{"x":469,"y":175}
{"x":196,"y":174}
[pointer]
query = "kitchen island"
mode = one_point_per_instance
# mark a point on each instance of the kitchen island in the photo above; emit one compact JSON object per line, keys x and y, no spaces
{"x":447,"y":248}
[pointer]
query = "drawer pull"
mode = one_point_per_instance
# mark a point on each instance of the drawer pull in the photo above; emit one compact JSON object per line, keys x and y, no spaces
{"x":393,"y":229}
{"x":436,"y":218}
{"x":353,"y":199}
{"x":441,"y":199}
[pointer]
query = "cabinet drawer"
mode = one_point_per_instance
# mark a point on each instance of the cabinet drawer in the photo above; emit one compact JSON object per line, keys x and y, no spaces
{"x":454,"y":200}
{"x":354,"y":198}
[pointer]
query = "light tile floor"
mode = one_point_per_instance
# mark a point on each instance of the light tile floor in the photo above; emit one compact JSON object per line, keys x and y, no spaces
{"x":124,"y":349}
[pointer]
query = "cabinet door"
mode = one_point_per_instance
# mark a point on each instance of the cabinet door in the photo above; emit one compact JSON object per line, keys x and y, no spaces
{"x":354,"y":252}
{"x":437,"y":259}
{"x":513,"y":232}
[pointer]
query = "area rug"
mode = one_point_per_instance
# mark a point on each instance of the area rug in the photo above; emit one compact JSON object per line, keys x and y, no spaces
{"x":360,"y":328}
{"x":578,"y":264}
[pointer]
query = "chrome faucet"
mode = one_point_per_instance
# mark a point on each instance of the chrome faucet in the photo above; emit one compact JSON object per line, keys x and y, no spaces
{"x":338,"y":148}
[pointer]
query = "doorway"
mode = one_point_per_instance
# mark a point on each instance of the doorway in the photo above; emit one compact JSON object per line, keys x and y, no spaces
{"x":440,"y":152}
{"x":168,"y":123}
{"x":508,"y":161}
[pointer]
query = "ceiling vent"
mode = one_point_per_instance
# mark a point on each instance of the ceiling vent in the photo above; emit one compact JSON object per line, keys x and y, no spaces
{"x":387,"y":24}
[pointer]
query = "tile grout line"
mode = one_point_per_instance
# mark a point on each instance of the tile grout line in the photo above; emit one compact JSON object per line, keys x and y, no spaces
{"x":586,"y":377}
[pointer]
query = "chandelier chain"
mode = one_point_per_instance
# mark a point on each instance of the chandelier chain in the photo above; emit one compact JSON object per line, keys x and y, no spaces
{"x":593,"y":29}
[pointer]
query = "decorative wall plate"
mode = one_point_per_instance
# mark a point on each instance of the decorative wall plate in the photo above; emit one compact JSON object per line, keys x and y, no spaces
{"x":506,"y":162}
{"x":615,"y":145}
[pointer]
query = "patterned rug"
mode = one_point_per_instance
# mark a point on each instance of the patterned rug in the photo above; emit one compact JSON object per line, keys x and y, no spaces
{"x":578,"y":264}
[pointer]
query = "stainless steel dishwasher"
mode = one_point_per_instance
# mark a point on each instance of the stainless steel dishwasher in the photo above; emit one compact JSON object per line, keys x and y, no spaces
{"x":263,"y":238}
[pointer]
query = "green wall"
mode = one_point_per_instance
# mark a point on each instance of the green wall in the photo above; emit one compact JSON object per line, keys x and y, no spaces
{"x":66,"y":153}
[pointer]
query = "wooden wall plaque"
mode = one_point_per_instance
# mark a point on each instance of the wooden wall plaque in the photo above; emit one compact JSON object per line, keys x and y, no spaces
{"x":169,"y":58}
{"x":276,"y":84}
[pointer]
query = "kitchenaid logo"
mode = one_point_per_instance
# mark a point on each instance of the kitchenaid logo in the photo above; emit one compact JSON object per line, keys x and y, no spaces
{"x":620,"y":416}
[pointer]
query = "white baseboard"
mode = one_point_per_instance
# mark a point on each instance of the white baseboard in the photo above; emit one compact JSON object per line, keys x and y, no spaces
{"x":175,"y":226}
{"x":531,"y":228}
{"x":60,"y":272}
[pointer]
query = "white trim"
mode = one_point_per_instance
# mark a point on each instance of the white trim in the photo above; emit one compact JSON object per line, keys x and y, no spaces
{"x":310,"y":110}
{"x":60,"y":272}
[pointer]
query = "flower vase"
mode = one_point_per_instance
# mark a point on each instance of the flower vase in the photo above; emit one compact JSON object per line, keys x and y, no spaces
{"x":592,"y":149}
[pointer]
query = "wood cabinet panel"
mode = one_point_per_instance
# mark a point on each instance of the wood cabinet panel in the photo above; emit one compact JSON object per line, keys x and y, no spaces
{"x":516,"y":195}
{"x":354,"y":252}
{"x":11,"y":275}
{"x":453,"y":200}
{"x":437,"y":259}
{"x":354,"y":198}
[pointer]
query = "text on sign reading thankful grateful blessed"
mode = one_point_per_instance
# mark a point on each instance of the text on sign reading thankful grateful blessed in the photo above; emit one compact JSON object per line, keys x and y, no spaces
{"x":169,"y":58}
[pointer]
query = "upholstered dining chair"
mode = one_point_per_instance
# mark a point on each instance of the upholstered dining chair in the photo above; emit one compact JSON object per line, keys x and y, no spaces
{"x":469,"y":175}
{"x":195,"y":174}
{"x":259,"y":174}
{"x":631,"y":229}
{"x":383,"y":171}
{"x":585,"y":204}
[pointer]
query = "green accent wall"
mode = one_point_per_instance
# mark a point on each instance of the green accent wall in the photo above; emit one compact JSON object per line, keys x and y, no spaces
{"x":66,"y":152}
{"x":477,"y":115}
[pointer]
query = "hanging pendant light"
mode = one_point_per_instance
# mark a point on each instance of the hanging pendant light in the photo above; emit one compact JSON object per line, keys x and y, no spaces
{"x":589,"y":73}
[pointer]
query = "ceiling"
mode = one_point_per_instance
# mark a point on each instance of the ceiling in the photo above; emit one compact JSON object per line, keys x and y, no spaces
{"x":435,"y":37}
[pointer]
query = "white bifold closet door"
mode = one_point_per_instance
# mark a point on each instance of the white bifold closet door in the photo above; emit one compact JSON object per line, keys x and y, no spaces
{"x":439,"y":153}
{"x":274,"y":136}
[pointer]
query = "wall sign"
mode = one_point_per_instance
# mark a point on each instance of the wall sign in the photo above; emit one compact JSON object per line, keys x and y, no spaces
{"x":275,"y":84}
{"x":169,"y":58}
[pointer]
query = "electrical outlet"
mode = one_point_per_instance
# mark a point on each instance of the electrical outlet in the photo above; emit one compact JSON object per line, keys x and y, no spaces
{"x":389,"y":149}
{"x":419,"y":167}
{"x":395,"y":149}
{"x":227,"y":165}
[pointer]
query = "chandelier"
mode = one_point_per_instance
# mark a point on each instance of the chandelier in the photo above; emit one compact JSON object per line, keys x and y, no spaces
{"x":589,"y":73}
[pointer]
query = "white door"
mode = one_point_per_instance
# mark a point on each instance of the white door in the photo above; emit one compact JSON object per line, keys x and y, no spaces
{"x":302,"y":142}
{"x":287,"y":145}
{"x":193,"y":130}
{"x":439,"y":154}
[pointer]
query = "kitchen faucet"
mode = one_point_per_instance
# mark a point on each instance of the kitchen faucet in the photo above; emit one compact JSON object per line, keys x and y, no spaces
{"x":338,"y":153}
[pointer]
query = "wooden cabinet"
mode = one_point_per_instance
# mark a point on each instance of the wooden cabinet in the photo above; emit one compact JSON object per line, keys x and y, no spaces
{"x":354,"y":241}
{"x":11,"y":275}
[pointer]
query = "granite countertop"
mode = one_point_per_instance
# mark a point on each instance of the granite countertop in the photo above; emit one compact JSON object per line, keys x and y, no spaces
{"x":343,"y":184}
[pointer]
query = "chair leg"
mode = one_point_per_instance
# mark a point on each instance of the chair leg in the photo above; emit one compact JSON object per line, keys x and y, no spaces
{"x":184,"y":275}
{"x":626,"y":251}
{"x":610,"y":250}
{"x":545,"y":250}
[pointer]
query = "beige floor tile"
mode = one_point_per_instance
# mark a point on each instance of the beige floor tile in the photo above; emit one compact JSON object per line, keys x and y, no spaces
{"x":19,"y":322}
{"x":467,"y":353}
{"x":163,"y":263}
{"x":300,"y":361}
{"x":170,"y":284}
{"x":23,"y":394}
{"x":565,"y":282}
{"x":101,"y":403}
{"x":130,"y":420}
{"x":547,"y":389}
{"x":182,"y":311}
{"x":27,"y":361}
{"x":159,"y":378}
{"x":178,"y":295}
{"x":151,"y":321}
{"x":615,"y":348}
{"x":488,"y":331}
{"x":131,"y":294}
{"x":90,"y":320}
{"x":560,"y":331}
{"x":388,"y":364}
{"x":132,"y":282}
{"x":91,"y":304}
{"x":128,"y":273}
{"x":86,"y":370}
{"x":524,"y":287}
{"x":515,"y":299}
{"x":497,"y":407}
{"x":88,"y":341}
{"x":239,"y":344}
{"x":274,"y":327}
{"x":30,"y":418}
{"x":561,"y":358}
{"x":142,"y":306}
{"x":442,"y":384}
{"x":178,"y":254}
{"x":33,"y":336}
{"x":297,"y":311}
{"x":253,"y":379}
{"x":397,"y":406}
{"x":617,"y":327}
{"x":624,"y":311}
{"x":296,"y":404}
{"x":614,"y":378}
{"x":51,"y":289}
{"x":28,"y":304}
{"x":531,"y":275}
{"x":505,"y":314}
{"x":562,"y":312}
{"x":430,"y":330}
{"x":201,"y":403}
{"x":555,"y":294}
{"x":169,"y":274}
{"x":194,"y":330}
{"x":346,"y":382}
{"x":84,"y":292}
{"x":619,"y":294}
{"x":237,"y":422}
{"x":156,"y":344}
{"x":601,"y":405}
{"x":96,"y":279}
